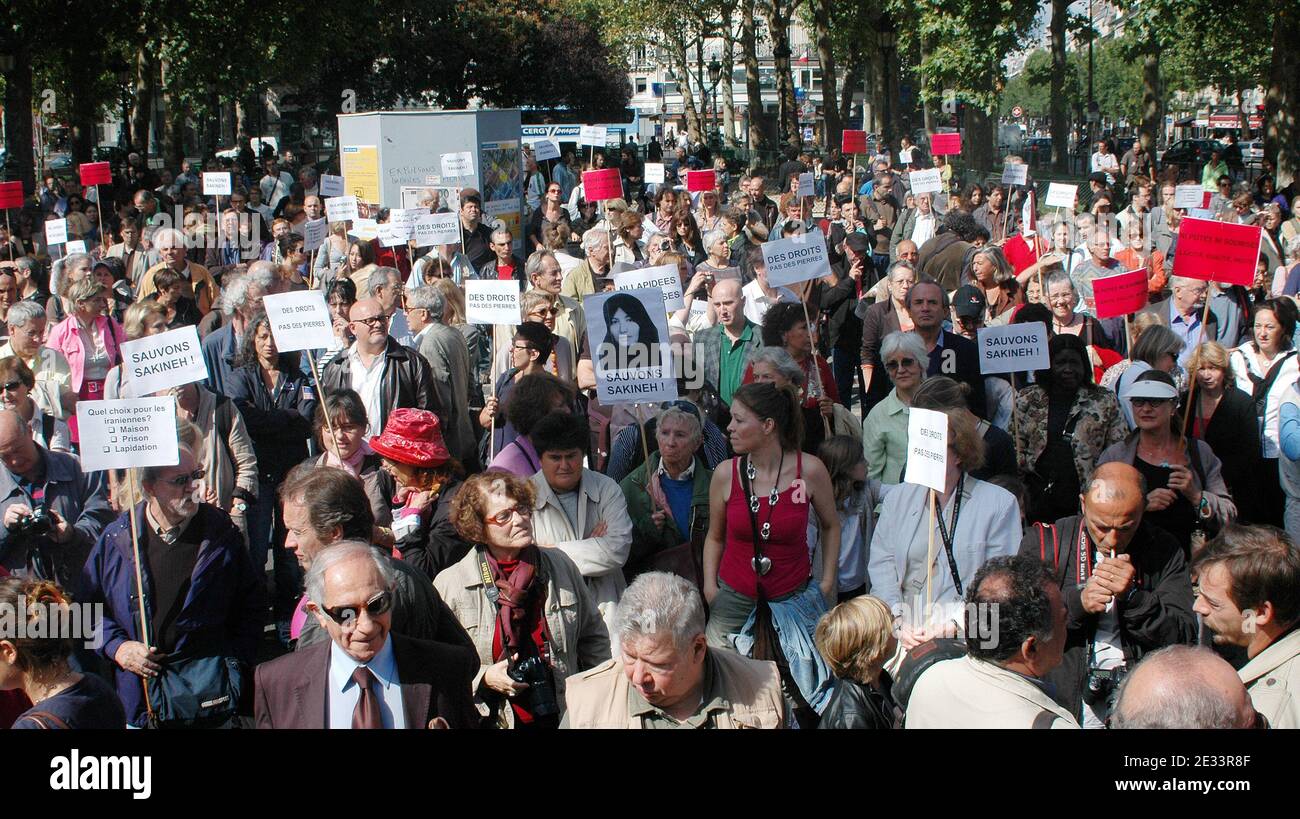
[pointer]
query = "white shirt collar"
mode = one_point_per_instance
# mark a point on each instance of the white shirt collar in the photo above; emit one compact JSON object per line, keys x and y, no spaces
{"x":686,"y":475}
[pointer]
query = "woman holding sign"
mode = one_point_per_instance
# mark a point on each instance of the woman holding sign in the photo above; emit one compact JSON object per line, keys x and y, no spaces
{"x":89,"y":339}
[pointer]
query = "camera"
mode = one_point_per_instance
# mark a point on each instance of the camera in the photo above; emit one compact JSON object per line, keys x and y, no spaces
{"x":541,"y":687}
{"x":1102,"y":686}
{"x":37,"y":524}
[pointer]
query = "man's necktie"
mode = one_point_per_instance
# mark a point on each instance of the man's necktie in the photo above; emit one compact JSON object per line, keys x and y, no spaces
{"x":366,"y":714}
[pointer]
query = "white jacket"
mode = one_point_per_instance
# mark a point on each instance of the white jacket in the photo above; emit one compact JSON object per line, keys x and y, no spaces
{"x":1273,"y":679}
{"x":969,"y":693}
{"x":600,"y":559}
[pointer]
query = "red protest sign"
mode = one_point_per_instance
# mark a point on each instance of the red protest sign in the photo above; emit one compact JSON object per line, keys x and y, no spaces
{"x":701,"y":181}
{"x":95,"y":173}
{"x":1120,"y":294}
{"x":945,"y":144}
{"x":855,"y":142}
{"x":598,"y":186}
{"x":11,"y":195}
{"x":1217,"y":251}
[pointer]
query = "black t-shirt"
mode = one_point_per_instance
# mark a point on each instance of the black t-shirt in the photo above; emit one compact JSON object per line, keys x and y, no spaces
{"x":88,"y":703}
{"x":478,"y":246}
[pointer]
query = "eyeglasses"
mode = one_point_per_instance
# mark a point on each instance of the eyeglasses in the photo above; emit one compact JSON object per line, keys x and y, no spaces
{"x":545,"y":311}
{"x":505,"y":516}
{"x":12,"y":386}
{"x":902,"y":363}
{"x":374,"y":322}
{"x":377,"y":606}
{"x":1150,"y":402}
{"x":520,"y":347}
{"x":180,"y":481}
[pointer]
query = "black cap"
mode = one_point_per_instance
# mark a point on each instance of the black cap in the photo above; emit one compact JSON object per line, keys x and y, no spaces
{"x":969,"y":302}
{"x":1097,"y":177}
{"x":859,"y":243}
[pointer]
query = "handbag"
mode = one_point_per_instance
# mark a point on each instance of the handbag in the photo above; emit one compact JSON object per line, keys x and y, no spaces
{"x":686,"y":559}
{"x":195,"y":692}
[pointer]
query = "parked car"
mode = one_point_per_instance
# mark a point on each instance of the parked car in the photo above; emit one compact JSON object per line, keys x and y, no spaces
{"x":1252,"y":153}
{"x":1188,"y":153}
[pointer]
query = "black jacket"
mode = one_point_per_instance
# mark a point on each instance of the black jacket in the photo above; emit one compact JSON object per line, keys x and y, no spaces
{"x":279,"y":422}
{"x":857,"y":706}
{"x":408,"y":381}
{"x":839,"y":303}
{"x":958,"y":358}
{"x":1157,"y":613}
{"x":1233,"y":434}
{"x":437,"y":545}
{"x":478,"y":245}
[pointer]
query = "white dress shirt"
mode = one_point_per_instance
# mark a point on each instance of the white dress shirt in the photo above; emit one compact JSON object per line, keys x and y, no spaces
{"x":923,"y":229}
{"x":368,"y":383}
{"x":757,"y":304}
{"x":344,"y":693}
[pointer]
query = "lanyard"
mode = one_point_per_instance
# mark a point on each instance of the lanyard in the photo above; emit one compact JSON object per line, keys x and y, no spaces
{"x":950,"y":534}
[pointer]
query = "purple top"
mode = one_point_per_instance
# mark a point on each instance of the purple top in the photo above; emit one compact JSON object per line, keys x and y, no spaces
{"x":518,"y":457}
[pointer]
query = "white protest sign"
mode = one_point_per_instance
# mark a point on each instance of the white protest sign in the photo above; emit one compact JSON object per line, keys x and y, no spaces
{"x":364,"y":229}
{"x":905,"y":156}
{"x":1013,"y":348}
{"x":927,"y":181}
{"x":806,"y":185}
{"x":56,"y":232}
{"x":457,"y":164}
{"x":299,"y":320}
{"x":796,"y":259}
{"x":391,"y":235}
{"x":331,"y":185}
{"x":633,"y":360}
{"x":436,"y":229}
{"x":545,"y":149}
{"x":166,"y":360}
{"x":314,"y":232}
{"x":927,"y":448}
{"x":341,"y":209}
{"x":76,"y":246}
{"x":492,"y":302}
{"x":1060,"y":195}
{"x":593,"y":135}
{"x":1188,"y":196}
{"x":128,"y":432}
{"x":1015,"y":174}
{"x":216,"y":183}
{"x":654,"y":173}
{"x":664,"y":277}
{"x":405,"y":217}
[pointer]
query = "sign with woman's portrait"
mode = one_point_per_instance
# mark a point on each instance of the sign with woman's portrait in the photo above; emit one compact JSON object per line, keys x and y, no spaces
{"x":629,"y":333}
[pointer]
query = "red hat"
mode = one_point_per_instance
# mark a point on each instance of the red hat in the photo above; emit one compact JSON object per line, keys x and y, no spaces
{"x":412,"y":437}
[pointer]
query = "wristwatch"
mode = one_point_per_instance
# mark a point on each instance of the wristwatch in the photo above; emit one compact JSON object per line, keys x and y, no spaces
{"x":239,"y":506}
{"x":1203,"y":509}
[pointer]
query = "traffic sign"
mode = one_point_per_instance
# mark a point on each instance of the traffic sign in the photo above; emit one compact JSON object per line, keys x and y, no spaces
{"x":1017,"y":112}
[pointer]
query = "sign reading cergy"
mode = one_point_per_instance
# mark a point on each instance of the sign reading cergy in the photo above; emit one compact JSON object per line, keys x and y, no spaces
{"x":166,"y":360}
{"x":299,"y":320}
{"x":927,"y":448}
{"x":1013,"y":348}
{"x":491,"y":302}
{"x":796,"y":259}
{"x":128,"y":432}
{"x":664,"y":277}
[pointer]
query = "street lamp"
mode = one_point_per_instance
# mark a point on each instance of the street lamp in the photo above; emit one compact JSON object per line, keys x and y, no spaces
{"x":715,"y":74}
{"x":888,"y":39}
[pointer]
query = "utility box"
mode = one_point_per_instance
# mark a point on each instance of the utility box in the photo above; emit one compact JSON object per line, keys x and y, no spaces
{"x":390,"y":157}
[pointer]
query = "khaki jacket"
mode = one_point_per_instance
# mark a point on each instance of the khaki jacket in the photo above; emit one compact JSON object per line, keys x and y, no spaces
{"x":969,"y":693}
{"x":578,"y":637}
{"x":599,"y":698}
{"x":203,"y":288}
{"x":1273,"y":680}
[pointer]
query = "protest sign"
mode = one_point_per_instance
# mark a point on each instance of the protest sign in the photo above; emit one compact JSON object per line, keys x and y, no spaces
{"x":314,"y":233}
{"x":331,"y":185}
{"x":807,"y":187}
{"x":364,"y":229}
{"x":855,"y":142}
{"x":628,"y":330}
{"x":76,"y":246}
{"x":216,"y":183}
{"x":11,"y":195}
{"x":391,"y":235}
{"x":927,"y":448}
{"x":945,"y":144}
{"x":168,"y":359}
{"x":665,"y":278}
{"x":1013,"y":348}
{"x":905,"y":155}
{"x":929,"y":180}
{"x":593,"y":135}
{"x":1060,"y":195}
{"x":56,"y":232}
{"x":798,"y":258}
{"x":341,"y":209}
{"x":654,"y":173}
{"x":1120,"y":294}
{"x":601,"y":185}
{"x":492,"y":302}
{"x":457,"y":164}
{"x":128,"y":433}
{"x":1217,"y":251}
{"x":1188,"y":196}
{"x":701,"y":181}
{"x":545,"y":149}
{"x":1015,"y":174}
{"x":95,"y":173}
{"x":436,"y":229}
{"x":299,"y":320}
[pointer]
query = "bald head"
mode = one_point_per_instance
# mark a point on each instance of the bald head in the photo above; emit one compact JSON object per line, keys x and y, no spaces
{"x":369,"y":325}
{"x":1116,"y":481}
{"x":17,"y":449}
{"x":1113,"y":503}
{"x":729,"y":305}
{"x":1183,"y":687}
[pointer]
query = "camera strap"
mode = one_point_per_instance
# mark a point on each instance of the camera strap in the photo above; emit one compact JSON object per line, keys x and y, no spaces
{"x":1085,"y":554}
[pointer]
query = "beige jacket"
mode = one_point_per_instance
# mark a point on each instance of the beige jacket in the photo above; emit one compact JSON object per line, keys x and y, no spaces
{"x":599,"y":698}
{"x":1273,"y":680}
{"x":578,"y":637}
{"x":970,"y":693}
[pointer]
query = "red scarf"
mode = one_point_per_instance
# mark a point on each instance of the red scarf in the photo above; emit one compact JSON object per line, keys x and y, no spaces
{"x":514,"y":582}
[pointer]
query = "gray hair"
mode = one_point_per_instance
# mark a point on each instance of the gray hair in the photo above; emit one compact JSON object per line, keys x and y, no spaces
{"x":1184,"y":281}
{"x":905,"y":342}
{"x":235,"y":293}
{"x":994,"y":254}
{"x":501,"y":231}
{"x":427,"y":298}
{"x":1156,"y":341}
{"x":901,"y":264}
{"x":1183,"y":697}
{"x":712,"y":237}
{"x":593,"y":237}
{"x":658,"y":603}
{"x":23,"y":312}
{"x":382,"y":277}
{"x":75,"y":259}
{"x":337,"y":553}
{"x":149,"y":474}
{"x":1060,"y":277}
{"x":533,"y":265}
{"x":781,"y":361}
{"x":693,"y":425}
{"x":33,"y":267}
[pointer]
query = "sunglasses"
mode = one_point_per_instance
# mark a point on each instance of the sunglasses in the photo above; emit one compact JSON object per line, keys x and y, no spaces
{"x":375,"y":322}
{"x":903,"y":363}
{"x":545,"y":311}
{"x":1150,"y":402}
{"x":377,"y":606}
{"x":12,"y":386}
{"x":504,"y":517}
{"x":180,"y":481}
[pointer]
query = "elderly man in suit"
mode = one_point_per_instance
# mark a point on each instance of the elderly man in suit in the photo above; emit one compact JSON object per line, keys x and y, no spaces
{"x":365,"y":676}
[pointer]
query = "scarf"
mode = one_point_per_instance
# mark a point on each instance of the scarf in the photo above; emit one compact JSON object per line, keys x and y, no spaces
{"x":351,"y":465}
{"x":514,"y":599}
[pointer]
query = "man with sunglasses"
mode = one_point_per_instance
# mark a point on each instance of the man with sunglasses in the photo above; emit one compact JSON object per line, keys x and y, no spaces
{"x":365,"y":675}
{"x":384,"y":373}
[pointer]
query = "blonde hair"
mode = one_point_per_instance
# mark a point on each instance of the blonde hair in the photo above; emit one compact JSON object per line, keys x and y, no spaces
{"x":965,"y":439}
{"x":1212,"y":353}
{"x":853,"y":637}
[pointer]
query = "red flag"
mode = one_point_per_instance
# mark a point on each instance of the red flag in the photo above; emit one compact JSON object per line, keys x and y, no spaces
{"x":947,"y":144}
{"x":1217,"y":251}
{"x":1120,"y":294}
{"x":1019,"y":252}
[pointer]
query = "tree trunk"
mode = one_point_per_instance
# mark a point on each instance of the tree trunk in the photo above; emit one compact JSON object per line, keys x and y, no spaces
{"x":753,"y":91}
{"x":1282,"y":99}
{"x":826,"y":54}
{"x":852,"y":80}
{"x":927,"y":104}
{"x":978,"y":147}
{"x":1059,"y":116}
{"x":778,"y":23}
{"x":142,"y":112}
{"x":728,"y":73}
{"x":677,"y":54}
{"x":173,"y":124}
{"x":1153,"y":114}
{"x":18,"y":119}
{"x":82,"y":107}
